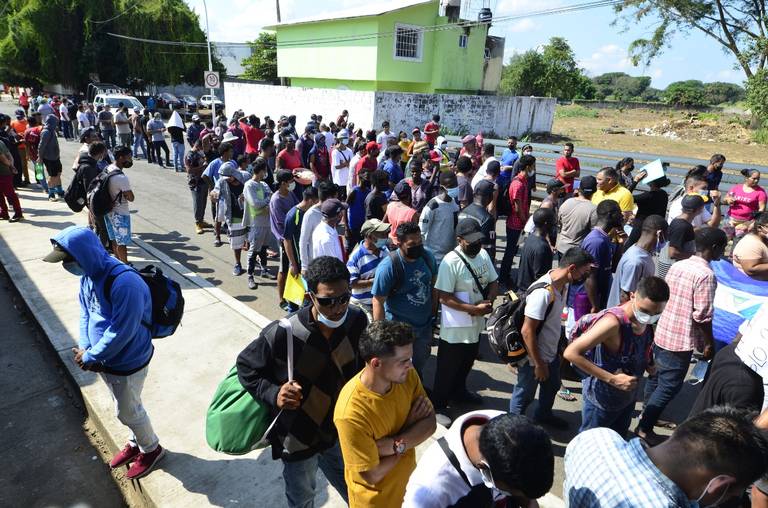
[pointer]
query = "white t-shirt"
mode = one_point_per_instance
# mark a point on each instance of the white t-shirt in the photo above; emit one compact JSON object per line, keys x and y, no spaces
{"x":118,"y":184}
{"x":382,"y":138}
{"x":329,"y":140}
{"x":753,"y":347}
{"x":82,"y":119}
{"x":341,"y":176}
{"x":64,"y":113}
{"x":676,"y":208}
{"x":481,"y":172}
{"x":122,"y":128}
{"x":536,"y":307}
{"x":325,"y":242}
{"x":435,"y":483}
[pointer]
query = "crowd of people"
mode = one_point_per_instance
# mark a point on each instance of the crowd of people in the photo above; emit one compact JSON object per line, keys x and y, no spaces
{"x":392,"y":237}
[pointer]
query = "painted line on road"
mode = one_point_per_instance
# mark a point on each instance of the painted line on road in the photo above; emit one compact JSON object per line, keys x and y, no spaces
{"x":251,"y":315}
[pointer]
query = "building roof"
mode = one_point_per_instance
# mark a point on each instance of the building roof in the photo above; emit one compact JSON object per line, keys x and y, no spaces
{"x":369,"y":9}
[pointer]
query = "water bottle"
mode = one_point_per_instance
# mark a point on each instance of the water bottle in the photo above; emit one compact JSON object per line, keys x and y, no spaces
{"x":39,"y":173}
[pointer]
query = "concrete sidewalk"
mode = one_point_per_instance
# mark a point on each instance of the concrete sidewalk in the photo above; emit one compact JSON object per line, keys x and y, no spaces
{"x":183,"y":374}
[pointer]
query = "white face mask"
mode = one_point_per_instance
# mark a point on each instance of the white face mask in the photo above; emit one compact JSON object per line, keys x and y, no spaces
{"x":644,"y":318}
{"x":291,"y":186}
{"x":696,"y":504}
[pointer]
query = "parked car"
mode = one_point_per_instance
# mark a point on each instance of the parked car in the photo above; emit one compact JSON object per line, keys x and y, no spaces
{"x":168,"y":101}
{"x":114,"y":101}
{"x":205,"y":101}
{"x":190,"y":102}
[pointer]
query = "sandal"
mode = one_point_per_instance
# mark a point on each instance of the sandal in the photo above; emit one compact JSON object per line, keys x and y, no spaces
{"x":566,"y":395}
{"x":665,"y":424}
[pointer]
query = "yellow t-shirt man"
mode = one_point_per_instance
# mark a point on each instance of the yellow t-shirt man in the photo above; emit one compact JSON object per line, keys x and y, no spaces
{"x":620,"y":194}
{"x":362,"y":417}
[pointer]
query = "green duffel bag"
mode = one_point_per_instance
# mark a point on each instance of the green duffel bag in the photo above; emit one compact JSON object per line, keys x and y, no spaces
{"x":236,"y":423}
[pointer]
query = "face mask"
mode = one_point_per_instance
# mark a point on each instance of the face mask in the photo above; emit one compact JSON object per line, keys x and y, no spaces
{"x":703,"y":192}
{"x":381,"y":242}
{"x":531,"y":172}
{"x":485,"y":474}
{"x":291,"y":186}
{"x":414,"y":252}
{"x":74,"y":268}
{"x":644,"y":318}
{"x":695,"y":504}
{"x":472,"y":250}
{"x":127,"y":164}
{"x":453,"y":193}
{"x":330,"y":323}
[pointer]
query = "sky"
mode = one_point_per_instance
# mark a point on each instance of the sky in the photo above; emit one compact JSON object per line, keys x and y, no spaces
{"x":598,"y":46}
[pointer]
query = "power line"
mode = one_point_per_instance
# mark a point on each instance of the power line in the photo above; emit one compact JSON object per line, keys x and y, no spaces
{"x":117,"y":16}
{"x":376,"y":35}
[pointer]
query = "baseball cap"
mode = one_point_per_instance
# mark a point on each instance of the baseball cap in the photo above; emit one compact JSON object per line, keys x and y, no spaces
{"x":484,"y":188}
{"x":415,"y":130}
{"x":86,"y":133}
{"x":227,"y":169}
{"x":19,"y":113}
{"x":435,"y":156}
{"x":468,"y":139}
{"x":553,"y":184}
{"x":57,"y":255}
{"x":195,"y":118}
{"x":692,"y":202}
{"x":588,"y":184}
{"x":402,"y":188}
{"x":469,"y":230}
{"x":283,"y":175}
{"x":374,"y":226}
{"x":371,"y":145}
{"x":332,"y":207}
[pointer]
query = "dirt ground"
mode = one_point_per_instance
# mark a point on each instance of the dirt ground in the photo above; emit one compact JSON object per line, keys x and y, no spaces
{"x":677,"y":133}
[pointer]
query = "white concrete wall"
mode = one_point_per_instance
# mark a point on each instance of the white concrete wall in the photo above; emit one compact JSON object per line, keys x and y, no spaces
{"x":275,"y":101}
{"x":500,"y":115}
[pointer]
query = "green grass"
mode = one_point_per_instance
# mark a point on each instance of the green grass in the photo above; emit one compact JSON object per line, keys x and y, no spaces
{"x":761,"y":136}
{"x":708,"y":116}
{"x":575,"y":111}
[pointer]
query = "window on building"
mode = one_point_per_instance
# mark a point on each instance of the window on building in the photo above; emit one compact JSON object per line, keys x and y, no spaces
{"x":408,"y":42}
{"x":462,"y":41}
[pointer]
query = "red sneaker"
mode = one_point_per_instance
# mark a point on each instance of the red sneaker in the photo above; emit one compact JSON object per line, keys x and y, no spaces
{"x":128,"y":453}
{"x":144,"y":463}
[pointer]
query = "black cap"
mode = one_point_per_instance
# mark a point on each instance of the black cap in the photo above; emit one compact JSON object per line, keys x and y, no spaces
{"x":469,"y":230}
{"x":332,"y":207}
{"x":57,"y":255}
{"x":692,"y":202}
{"x":554,"y":184}
{"x":588,"y":184}
{"x":484,"y":188}
{"x":402,"y":189}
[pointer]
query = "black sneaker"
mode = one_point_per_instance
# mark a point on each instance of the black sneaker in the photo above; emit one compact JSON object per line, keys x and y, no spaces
{"x":468,"y":398}
{"x":553,"y":421}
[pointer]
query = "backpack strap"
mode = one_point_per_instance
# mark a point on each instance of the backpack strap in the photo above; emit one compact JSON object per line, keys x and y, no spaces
{"x":453,"y":460}
{"x":483,"y":290}
{"x":398,"y":271}
{"x":541,"y":285}
{"x":110,"y":280}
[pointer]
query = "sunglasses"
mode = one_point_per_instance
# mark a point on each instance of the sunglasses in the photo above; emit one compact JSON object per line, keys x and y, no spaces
{"x":330,"y":301}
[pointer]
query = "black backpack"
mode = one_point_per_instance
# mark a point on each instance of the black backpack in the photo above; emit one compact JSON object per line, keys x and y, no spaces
{"x":167,"y":300}
{"x":97,"y":198}
{"x":505,"y":323}
{"x":76,"y":194}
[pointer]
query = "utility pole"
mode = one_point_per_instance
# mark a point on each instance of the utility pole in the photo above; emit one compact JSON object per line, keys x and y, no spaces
{"x":210,"y":61}
{"x":277,"y":5}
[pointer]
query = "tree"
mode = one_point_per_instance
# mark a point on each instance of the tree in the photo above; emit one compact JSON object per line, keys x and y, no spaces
{"x":719,"y":93}
{"x":621,"y":86}
{"x":550,"y":72}
{"x":262,"y":64}
{"x":739,"y":26}
{"x":67,"y":42}
{"x":757,"y":95}
{"x":685,"y":93}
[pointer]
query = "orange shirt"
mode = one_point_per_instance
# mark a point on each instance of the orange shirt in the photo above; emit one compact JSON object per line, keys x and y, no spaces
{"x":20,"y":126}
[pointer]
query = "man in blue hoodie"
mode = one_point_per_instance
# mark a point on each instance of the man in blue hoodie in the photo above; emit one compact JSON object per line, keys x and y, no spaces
{"x":115,"y":307}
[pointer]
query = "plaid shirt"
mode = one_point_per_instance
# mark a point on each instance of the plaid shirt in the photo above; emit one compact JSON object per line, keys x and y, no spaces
{"x":603,"y":470}
{"x":692,"y":285}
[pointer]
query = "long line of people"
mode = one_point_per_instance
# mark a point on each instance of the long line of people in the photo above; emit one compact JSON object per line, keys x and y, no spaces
{"x":390,"y":262}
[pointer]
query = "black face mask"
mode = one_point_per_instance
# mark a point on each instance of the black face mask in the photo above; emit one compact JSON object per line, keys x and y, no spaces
{"x":415,"y":251}
{"x":127,"y":164}
{"x":472,"y":249}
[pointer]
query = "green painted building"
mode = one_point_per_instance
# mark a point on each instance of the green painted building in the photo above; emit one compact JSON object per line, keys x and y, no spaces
{"x":402,"y":46}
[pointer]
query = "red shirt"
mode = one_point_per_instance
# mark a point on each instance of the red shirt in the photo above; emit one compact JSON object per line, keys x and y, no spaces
{"x":253,"y":135}
{"x":567,"y":164}
{"x":431,"y":126}
{"x":518,"y":191}
{"x":291,"y":160}
{"x":23,"y":100}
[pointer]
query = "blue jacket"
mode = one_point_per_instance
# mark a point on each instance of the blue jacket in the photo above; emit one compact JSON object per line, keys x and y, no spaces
{"x":111,"y":331}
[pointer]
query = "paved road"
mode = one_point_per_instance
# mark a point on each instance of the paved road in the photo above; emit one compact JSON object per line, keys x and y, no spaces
{"x":47,"y":457}
{"x":162,"y":216}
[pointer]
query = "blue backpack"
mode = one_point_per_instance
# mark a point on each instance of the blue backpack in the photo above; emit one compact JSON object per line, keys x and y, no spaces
{"x":167,"y":300}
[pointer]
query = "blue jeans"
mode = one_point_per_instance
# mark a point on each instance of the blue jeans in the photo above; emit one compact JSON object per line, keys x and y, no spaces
{"x":109,"y":138}
{"x":66,"y":126}
{"x":593,"y":417}
{"x":661,"y":388}
{"x":525,"y":390}
{"x":178,"y":155}
{"x":139,"y":142}
{"x":510,"y":251}
{"x":301,"y":477}
{"x":422,"y":348}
